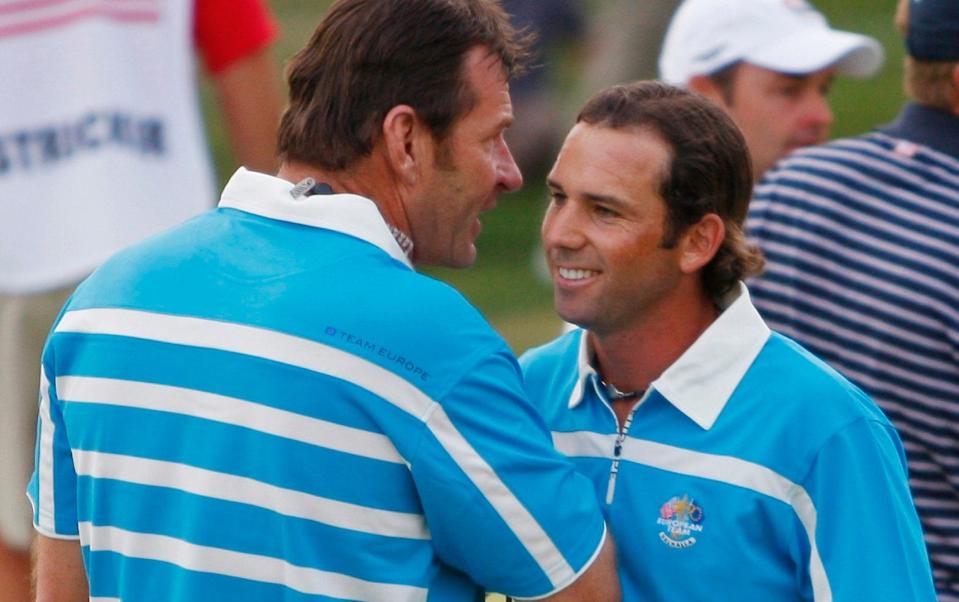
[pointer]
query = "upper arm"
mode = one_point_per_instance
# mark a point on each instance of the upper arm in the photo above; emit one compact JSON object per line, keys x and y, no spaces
{"x":227,"y":31}
{"x":598,"y":583}
{"x":502,"y":505}
{"x":867,"y":530}
{"x":53,"y":487}
{"x":251,"y":104}
{"x":58,"y":571}
{"x":233,"y":37}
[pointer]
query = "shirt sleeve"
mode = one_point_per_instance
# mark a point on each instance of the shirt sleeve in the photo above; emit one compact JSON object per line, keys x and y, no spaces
{"x":502,"y":505}
{"x":867,"y":530}
{"x":226,"y":31}
{"x":53,"y":487}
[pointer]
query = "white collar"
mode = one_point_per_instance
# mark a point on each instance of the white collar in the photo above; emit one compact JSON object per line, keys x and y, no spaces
{"x":703,"y":378}
{"x":349,"y":214}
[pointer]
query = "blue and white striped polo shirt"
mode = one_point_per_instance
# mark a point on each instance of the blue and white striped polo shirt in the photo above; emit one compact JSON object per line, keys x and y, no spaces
{"x":862,"y":238}
{"x":748,"y":471}
{"x":268,"y":403}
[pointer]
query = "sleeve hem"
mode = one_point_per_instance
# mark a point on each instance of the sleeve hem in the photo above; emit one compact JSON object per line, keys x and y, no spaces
{"x":52,"y":535}
{"x":575,"y":576}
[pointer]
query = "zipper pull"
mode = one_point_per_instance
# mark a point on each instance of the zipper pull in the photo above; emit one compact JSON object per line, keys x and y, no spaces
{"x":614,"y":469}
{"x":611,"y":488}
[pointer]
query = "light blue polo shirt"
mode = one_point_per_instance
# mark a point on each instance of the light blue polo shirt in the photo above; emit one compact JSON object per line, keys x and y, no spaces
{"x":269,"y":403}
{"x":749,"y":471}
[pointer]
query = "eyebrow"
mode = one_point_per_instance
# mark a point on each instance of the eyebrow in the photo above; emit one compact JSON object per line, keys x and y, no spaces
{"x":590,"y":196}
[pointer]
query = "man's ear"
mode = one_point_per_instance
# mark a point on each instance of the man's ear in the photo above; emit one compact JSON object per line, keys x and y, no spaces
{"x":406,"y":142}
{"x":703,"y":84}
{"x":700,"y":243}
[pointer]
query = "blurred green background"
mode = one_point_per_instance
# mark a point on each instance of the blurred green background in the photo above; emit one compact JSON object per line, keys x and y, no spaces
{"x":502,"y":284}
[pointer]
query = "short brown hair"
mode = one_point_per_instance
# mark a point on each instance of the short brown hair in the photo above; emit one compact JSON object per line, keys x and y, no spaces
{"x":927,"y":82}
{"x":709,"y":169}
{"x":368,"y":56}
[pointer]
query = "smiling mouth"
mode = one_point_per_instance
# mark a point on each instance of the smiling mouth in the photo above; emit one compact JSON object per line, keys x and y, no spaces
{"x":575,"y":274}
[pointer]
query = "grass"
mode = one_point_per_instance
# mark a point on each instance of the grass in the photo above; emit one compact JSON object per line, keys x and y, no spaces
{"x":502,"y":284}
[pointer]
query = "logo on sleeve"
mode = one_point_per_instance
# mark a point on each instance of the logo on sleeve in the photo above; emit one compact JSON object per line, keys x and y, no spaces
{"x":680,"y":520}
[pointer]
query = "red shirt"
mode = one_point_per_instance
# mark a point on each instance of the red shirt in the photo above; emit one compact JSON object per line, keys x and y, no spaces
{"x":226,"y":31}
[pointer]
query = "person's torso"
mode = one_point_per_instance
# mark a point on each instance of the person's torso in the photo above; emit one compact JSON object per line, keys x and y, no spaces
{"x":101,"y":140}
{"x":249,"y":406}
{"x":698,"y":514}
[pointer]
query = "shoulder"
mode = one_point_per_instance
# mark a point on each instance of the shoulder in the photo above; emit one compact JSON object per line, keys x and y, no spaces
{"x":804,"y":387}
{"x":790,"y":406}
{"x":801,"y":167}
{"x":834,"y":179}
{"x":125,"y":277}
{"x":551,"y":370}
{"x":420,"y":301}
{"x":560,"y":354}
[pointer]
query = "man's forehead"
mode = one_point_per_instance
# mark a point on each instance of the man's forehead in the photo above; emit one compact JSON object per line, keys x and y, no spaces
{"x":482,"y":60}
{"x":619,"y":153}
{"x":486,"y":77}
{"x":489,"y":59}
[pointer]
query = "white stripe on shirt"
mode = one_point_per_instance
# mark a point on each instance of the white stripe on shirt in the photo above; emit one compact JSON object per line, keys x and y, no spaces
{"x":228,"y":410}
{"x":244,"y":490}
{"x":245,"y":566}
{"x":725,"y":469}
{"x":45,"y":512}
{"x":324,"y":359}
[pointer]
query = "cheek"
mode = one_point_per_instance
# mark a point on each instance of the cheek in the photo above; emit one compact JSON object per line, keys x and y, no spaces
{"x":638,"y":253}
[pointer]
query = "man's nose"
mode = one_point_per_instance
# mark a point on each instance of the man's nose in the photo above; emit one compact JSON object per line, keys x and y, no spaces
{"x":507,"y":170}
{"x":819,"y":113}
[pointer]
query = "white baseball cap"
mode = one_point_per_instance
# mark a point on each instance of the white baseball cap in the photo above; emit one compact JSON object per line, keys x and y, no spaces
{"x":788,"y":36}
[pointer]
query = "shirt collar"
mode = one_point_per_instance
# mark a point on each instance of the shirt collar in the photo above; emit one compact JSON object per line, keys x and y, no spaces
{"x":927,"y":126}
{"x":350,"y":214}
{"x":701,"y":381}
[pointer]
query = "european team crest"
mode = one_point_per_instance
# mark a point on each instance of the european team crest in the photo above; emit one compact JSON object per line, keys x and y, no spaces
{"x":681,"y":519}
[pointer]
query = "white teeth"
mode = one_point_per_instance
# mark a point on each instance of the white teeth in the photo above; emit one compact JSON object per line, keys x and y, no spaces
{"x":571,"y":274}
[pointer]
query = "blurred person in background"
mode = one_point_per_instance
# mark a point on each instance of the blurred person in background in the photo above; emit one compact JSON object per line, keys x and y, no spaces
{"x":769,"y":64}
{"x":730,"y":462}
{"x":101,"y":145}
{"x":537,"y":131}
{"x":269,"y":402}
{"x":862,"y":237}
{"x":623,"y":41}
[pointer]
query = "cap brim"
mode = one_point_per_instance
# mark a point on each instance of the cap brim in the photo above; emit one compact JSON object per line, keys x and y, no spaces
{"x":815,"y":49}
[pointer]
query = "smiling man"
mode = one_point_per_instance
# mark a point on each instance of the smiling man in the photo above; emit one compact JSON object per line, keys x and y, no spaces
{"x":769,"y":64}
{"x":269,"y":403}
{"x":730,"y":462}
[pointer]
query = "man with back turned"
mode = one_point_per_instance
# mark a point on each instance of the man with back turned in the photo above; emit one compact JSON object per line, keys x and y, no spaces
{"x":223,"y":412}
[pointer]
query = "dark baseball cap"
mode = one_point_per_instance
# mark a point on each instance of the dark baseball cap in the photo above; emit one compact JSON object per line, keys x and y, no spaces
{"x":933,"y":33}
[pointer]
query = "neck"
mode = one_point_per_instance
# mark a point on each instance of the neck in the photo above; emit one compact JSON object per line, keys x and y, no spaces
{"x":630,"y":359}
{"x":366,"y":178}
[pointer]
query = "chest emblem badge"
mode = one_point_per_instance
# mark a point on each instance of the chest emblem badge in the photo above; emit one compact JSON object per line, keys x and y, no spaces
{"x":681,"y":521}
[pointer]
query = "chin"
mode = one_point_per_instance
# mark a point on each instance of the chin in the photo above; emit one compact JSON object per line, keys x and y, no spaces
{"x":462,"y":260}
{"x":576,"y":319}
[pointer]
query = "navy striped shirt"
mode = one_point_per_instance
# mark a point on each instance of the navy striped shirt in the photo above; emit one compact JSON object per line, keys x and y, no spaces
{"x":862,"y":239}
{"x":268,"y":403}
